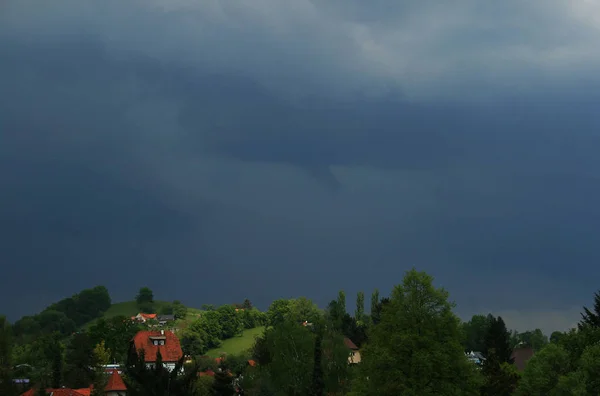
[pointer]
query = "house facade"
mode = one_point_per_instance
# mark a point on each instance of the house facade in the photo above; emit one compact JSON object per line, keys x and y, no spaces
{"x":152,"y":342}
{"x":354,"y":353}
{"x":143,"y":317}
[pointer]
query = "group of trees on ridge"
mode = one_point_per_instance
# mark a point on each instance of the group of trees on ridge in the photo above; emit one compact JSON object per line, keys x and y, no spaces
{"x":411,"y":344}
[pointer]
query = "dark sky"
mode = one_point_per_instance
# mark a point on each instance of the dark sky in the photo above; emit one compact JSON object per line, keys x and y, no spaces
{"x":217,"y":150}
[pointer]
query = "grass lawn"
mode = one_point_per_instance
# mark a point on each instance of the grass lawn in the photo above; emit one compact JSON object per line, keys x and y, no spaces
{"x":237,"y":344}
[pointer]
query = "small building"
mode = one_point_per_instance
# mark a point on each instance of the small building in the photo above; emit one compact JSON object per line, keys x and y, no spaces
{"x":143,"y":317}
{"x":475,"y":357}
{"x":164,"y":319}
{"x":152,"y":342}
{"x":354,"y":353}
{"x":115,"y":385}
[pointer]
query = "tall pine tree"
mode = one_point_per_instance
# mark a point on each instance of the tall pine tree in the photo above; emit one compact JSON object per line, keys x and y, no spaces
{"x":589,"y":317}
{"x":499,"y":379}
{"x":360,"y":307}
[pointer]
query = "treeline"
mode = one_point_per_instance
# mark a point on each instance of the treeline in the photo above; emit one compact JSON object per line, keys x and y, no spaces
{"x":218,"y":324}
{"x":65,"y":316}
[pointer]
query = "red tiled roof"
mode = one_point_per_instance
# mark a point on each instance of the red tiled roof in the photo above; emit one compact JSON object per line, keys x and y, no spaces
{"x":349,"y":344}
{"x":521,"y":356}
{"x":170,"y":352}
{"x":85,"y":391}
{"x":115,"y":382}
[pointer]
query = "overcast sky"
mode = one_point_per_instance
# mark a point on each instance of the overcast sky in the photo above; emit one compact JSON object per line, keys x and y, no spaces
{"x":221,"y":149}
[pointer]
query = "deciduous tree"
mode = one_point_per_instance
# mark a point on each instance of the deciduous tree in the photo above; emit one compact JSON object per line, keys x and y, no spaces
{"x":416,"y":348}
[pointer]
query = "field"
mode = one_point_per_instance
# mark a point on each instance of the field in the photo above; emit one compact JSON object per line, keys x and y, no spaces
{"x":239,"y":344}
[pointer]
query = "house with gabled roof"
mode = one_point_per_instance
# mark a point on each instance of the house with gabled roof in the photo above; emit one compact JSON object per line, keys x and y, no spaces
{"x":144,"y":317}
{"x":152,"y":342}
{"x":114,"y":387}
{"x":354,"y":353}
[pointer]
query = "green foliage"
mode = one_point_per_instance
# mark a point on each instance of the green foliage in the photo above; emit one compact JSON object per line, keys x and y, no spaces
{"x":142,"y":380}
{"x":203,"y":386}
{"x":278,"y":312}
{"x":64,"y":316}
{"x":179,"y":310}
{"x":166,"y":309}
{"x":475,"y":331}
{"x":374,"y":303}
{"x":416,"y":348}
{"x":6,"y":368}
{"x":341,"y":300}
{"x":116,"y":332}
{"x":591,"y":317}
{"x":223,"y":383}
{"x":79,"y":360}
{"x":359,"y":313}
{"x":145,"y":300}
{"x":533,"y":338}
{"x":252,"y":318}
{"x":499,"y":380}
{"x":229,"y":321}
{"x":285,"y":354}
{"x":544,"y":370}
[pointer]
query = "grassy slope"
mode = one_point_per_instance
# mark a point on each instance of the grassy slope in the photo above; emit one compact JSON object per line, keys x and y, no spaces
{"x":130,"y":308}
{"x":238,"y":344}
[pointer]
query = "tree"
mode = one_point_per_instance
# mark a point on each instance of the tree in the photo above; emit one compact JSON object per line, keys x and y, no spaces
{"x":359,"y":314}
{"x":179,"y":310}
{"x":278,"y":311}
{"x":318,"y":384}
{"x":166,"y":309}
{"x":376,"y":313}
{"x":591,"y":317}
{"x":374,"y":303}
{"x":230,"y":322}
{"x":80,"y":363}
{"x":475,"y":331}
{"x":416,"y":348}
{"x":534,"y":339}
{"x":116,"y":332}
{"x":556,"y":337}
{"x":285,"y":354}
{"x":223,"y":383}
{"x":304,"y":310}
{"x":247,"y":304}
{"x":543,"y":371}
{"x":342,"y":301}
{"x":6,"y":377}
{"x":498,"y":380}
{"x":145,"y":300}
{"x":101,"y":357}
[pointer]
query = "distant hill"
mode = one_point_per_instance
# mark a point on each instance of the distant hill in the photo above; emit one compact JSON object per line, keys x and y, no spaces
{"x":130,"y":308}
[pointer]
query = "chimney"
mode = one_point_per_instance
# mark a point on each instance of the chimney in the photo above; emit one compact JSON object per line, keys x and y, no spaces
{"x":162,"y":332}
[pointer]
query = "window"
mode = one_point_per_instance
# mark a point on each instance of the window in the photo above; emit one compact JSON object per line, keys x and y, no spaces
{"x":162,"y":342}
{"x":155,"y":342}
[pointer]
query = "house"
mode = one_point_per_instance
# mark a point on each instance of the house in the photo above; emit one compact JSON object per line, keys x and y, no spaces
{"x":354,"y":356}
{"x":164,"y":319}
{"x":521,"y":355}
{"x":143,"y":317}
{"x":114,"y":387}
{"x":475,"y":357}
{"x":152,"y":342}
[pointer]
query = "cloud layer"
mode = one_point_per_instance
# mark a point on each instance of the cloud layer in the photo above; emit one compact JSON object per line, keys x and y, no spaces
{"x":286,"y":148}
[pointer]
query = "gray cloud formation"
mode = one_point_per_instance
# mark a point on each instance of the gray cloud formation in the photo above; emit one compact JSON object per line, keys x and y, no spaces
{"x":271,"y":149}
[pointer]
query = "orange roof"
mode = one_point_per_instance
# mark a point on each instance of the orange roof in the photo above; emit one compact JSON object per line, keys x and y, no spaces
{"x":115,"y":382}
{"x":251,"y":362}
{"x":170,"y":352}
{"x":208,"y":372}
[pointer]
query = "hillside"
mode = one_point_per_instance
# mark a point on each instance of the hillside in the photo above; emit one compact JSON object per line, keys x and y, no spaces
{"x":130,"y":308}
{"x":237,"y":345}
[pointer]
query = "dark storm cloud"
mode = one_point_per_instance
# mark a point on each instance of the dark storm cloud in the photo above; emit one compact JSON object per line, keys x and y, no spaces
{"x":193,"y":146}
